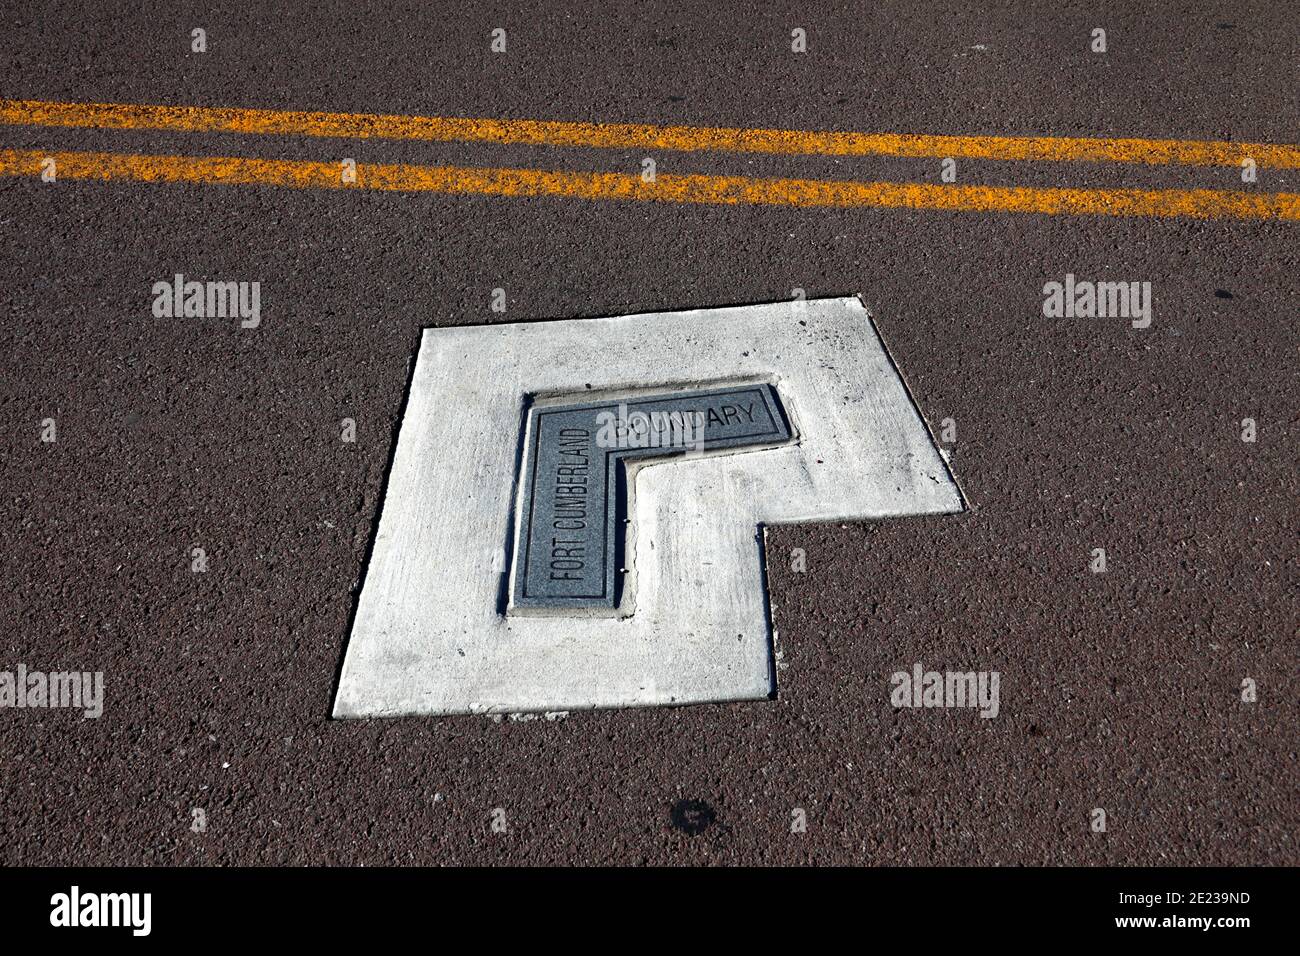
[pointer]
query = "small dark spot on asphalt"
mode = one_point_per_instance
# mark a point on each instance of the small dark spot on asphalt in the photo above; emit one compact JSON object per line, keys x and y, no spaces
{"x":693,"y":816}
{"x":676,"y":99}
{"x":1222,"y":294}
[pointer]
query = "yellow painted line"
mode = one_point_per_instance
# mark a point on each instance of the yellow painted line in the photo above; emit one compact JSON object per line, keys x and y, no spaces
{"x":193,"y":119}
{"x":725,"y":190}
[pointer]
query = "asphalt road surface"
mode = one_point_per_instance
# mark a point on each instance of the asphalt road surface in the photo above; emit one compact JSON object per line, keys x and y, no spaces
{"x":1120,"y":691}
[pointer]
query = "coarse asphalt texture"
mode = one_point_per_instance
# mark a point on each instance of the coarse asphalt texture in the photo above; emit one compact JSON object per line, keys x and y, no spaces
{"x":1119,"y":690}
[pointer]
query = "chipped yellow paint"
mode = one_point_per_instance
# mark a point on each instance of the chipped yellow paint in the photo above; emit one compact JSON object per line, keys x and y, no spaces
{"x":190,"y":119}
{"x":726,"y":190}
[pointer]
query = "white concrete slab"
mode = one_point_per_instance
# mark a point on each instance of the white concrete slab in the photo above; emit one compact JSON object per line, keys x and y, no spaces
{"x":429,"y":636}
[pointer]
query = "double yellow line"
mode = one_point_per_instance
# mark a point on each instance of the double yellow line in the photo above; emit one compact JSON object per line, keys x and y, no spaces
{"x":1195,"y":203}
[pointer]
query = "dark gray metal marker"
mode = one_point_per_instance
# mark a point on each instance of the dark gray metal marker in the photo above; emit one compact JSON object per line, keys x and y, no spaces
{"x":574,"y":495}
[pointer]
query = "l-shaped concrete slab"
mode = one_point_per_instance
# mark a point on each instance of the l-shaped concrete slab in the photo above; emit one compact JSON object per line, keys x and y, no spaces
{"x":432,"y":634}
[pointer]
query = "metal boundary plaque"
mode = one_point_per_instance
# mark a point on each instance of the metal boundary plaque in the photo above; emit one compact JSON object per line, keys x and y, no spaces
{"x":570,"y":542}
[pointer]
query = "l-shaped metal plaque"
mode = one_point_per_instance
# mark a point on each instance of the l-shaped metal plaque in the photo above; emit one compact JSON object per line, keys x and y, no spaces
{"x":572,"y":510}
